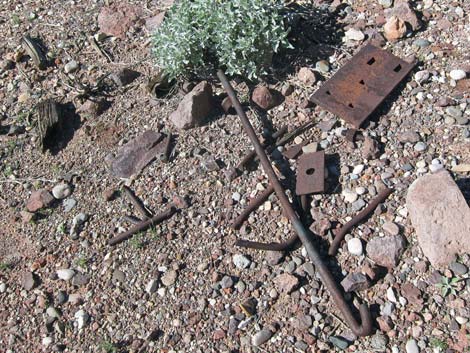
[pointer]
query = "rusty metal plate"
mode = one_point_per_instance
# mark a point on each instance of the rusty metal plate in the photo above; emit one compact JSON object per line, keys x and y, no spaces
{"x":360,"y":86}
{"x":311,"y":173}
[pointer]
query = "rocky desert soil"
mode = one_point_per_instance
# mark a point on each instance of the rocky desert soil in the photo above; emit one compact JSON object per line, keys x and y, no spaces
{"x":182,"y":285}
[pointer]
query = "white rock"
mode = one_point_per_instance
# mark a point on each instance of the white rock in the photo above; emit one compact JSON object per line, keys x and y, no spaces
{"x":355,"y":246}
{"x":422,"y":76}
{"x":461,"y":320}
{"x":391,"y":295}
{"x":71,"y":66}
{"x":457,"y":75}
{"x":310,"y":148}
{"x":47,"y":341}
{"x":61,"y":191}
{"x":412,"y":346}
{"x":349,"y":195}
{"x":354,"y":34}
{"x":360,"y":190}
{"x":3,"y":287}
{"x":82,"y":318}
{"x":358,"y":169}
{"x":236,"y":196}
{"x":65,"y":274}
{"x":241,"y":261}
{"x":421,"y":164}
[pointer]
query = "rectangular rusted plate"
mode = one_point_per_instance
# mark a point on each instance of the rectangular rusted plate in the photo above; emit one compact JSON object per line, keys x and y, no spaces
{"x":311,"y":173}
{"x":360,"y":86}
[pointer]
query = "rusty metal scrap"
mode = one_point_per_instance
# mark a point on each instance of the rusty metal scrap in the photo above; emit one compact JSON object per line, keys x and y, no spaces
{"x":360,"y":86}
{"x":363,"y":328}
{"x":311,"y":173}
{"x":339,"y":236}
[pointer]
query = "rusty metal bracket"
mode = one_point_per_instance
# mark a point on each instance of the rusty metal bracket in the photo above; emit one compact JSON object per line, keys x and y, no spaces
{"x":311,"y":173}
{"x":362,"y":328}
{"x":359,"y":87}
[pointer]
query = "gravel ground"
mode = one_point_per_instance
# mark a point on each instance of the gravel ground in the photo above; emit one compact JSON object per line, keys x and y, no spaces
{"x":179,"y":287}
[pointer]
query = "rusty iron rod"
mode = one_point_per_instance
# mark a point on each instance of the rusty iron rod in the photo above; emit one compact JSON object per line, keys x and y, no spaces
{"x":360,"y":329}
{"x":144,"y":225}
{"x":253,"y":205}
{"x":252,"y":153}
{"x":339,"y":236}
{"x":137,"y":203}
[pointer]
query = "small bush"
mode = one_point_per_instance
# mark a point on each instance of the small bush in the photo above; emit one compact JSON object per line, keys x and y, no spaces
{"x":239,"y":36}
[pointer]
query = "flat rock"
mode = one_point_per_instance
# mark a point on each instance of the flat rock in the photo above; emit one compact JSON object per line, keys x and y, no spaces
{"x":39,"y":199}
{"x":306,"y":76}
{"x":29,"y":280}
{"x":434,"y":203}
{"x":117,"y":19}
{"x":286,"y":283}
{"x":124,"y":77}
{"x":355,"y":282}
{"x":261,"y":337}
{"x":402,"y":9}
{"x":194,"y":108}
{"x":136,"y":154}
{"x":386,"y":251}
{"x":169,"y":278}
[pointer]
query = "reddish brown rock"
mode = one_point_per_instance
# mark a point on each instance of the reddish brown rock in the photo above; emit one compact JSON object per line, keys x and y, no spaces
{"x":440,"y":216}
{"x":307,"y":76}
{"x":117,"y":19}
{"x":194,"y":108}
{"x":355,"y":282}
{"x":152,"y":23}
{"x":39,"y":199}
{"x":386,"y":251}
{"x":264,"y":98}
{"x":286,"y":283}
{"x":394,"y":29}
{"x":403,"y":11}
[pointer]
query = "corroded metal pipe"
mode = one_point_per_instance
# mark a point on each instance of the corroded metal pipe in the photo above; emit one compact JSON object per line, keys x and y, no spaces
{"x":339,"y":236}
{"x":360,"y":329}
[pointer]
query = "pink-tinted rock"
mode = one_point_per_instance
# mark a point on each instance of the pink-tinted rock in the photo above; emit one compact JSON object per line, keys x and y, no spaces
{"x":194,"y":108}
{"x":264,"y":98}
{"x":39,"y":199}
{"x":394,"y":29}
{"x":440,"y":216}
{"x":403,"y":11}
{"x":117,"y":19}
{"x":286,"y":283}
{"x":355,"y":282}
{"x":386,"y":251}
{"x":137,"y":154}
{"x":152,"y":23}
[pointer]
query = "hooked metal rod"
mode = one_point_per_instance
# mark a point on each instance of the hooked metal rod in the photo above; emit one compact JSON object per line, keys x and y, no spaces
{"x":360,"y":329}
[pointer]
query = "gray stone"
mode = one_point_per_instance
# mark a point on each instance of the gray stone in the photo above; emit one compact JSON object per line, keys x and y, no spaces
{"x":355,"y":282}
{"x":194,"y":108}
{"x":226,"y":282}
{"x":80,"y":279}
{"x":137,"y":154}
{"x":52,"y":312}
{"x":124,"y":77}
{"x":69,"y":204}
{"x":322,"y":66}
{"x":421,"y":43}
{"x":29,"y":281}
{"x":77,"y":223}
{"x":408,"y":137}
{"x":386,"y":251}
{"x":391,"y":228}
{"x":434,"y":203}
{"x":152,"y":286}
{"x":458,"y":268}
{"x":274,"y":257}
{"x":358,"y":205}
{"x":241,"y":261}
{"x":454,"y":112}
{"x":420,"y":146}
{"x":339,"y":342}
{"x":379,"y":342}
{"x":261,"y":337}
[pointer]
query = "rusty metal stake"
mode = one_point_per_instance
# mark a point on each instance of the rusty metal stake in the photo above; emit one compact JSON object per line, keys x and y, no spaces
{"x":356,"y":219}
{"x":360,"y":329}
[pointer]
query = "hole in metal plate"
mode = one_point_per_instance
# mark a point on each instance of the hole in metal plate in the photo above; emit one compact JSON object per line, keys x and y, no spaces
{"x":371,"y":61}
{"x":310,"y":171}
{"x":398,"y":68}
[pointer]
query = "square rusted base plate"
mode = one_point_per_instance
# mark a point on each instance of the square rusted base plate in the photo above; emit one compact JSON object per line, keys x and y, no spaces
{"x":360,"y":86}
{"x":311,"y":173}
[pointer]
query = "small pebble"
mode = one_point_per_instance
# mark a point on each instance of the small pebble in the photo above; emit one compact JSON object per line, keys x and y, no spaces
{"x":391,"y":228}
{"x":355,"y":246}
{"x":412,"y":346}
{"x":358,"y":169}
{"x":61,"y":191}
{"x":241,"y":261}
{"x":65,"y":274}
{"x":420,"y":146}
{"x":339,"y":342}
{"x":261,"y":337}
{"x":354,"y":34}
{"x":349,"y":195}
{"x":457,"y":74}
{"x":71,"y":67}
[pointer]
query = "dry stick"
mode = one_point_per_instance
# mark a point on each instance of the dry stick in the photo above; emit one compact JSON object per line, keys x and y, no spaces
{"x":137,"y":203}
{"x":144,"y":225}
{"x":356,"y":219}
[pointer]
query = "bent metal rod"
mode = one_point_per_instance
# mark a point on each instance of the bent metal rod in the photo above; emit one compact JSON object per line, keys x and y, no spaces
{"x":360,"y":329}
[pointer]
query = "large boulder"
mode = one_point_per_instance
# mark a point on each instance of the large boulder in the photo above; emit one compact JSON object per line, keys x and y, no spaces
{"x":440,"y":216}
{"x":194,"y":108}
